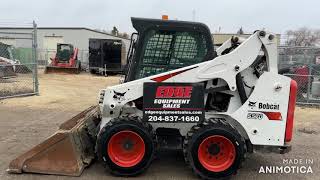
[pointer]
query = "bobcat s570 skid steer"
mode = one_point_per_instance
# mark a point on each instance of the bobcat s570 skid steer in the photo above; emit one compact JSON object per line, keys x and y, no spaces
{"x":180,"y":93}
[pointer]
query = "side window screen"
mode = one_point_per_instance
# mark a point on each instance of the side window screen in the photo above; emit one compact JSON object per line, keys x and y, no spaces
{"x":165,"y":51}
{"x":157,"y":49}
{"x":189,"y":48}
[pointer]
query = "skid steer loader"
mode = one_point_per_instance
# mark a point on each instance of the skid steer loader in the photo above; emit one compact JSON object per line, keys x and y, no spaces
{"x":65,"y":60}
{"x":216,"y":107}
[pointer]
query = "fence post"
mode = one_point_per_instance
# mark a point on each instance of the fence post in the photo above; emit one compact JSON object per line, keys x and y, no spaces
{"x":34,"y":49}
{"x":309,"y":80}
{"x":82,"y":59}
{"x":46,"y":58}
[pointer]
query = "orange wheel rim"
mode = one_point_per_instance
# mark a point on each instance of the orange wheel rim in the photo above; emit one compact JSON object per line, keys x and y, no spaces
{"x":216,"y":153}
{"x":126,"y":148}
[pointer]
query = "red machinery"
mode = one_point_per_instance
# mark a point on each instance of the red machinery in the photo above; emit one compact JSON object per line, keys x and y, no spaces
{"x":65,"y":60}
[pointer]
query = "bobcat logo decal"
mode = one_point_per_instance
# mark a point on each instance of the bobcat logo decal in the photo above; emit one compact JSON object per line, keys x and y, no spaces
{"x":252,"y":104}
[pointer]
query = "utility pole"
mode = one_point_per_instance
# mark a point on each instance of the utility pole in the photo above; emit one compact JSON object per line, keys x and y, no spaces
{"x":193,"y":15}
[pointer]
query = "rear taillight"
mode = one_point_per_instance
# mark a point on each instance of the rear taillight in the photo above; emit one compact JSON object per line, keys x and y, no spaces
{"x":290,"y":115}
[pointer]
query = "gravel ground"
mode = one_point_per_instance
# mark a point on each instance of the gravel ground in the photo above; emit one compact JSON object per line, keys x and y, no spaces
{"x":26,"y":121}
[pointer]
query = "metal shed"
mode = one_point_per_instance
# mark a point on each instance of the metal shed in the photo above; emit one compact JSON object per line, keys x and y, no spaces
{"x":48,"y":37}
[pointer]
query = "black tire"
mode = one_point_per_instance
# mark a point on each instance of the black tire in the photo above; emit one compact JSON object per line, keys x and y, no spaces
{"x":209,"y":128}
{"x":93,"y":71}
{"x":79,"y":67}
{"x":133,"y":124}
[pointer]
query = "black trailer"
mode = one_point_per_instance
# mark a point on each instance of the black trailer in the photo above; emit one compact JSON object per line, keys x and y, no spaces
{"x":106,"y":56}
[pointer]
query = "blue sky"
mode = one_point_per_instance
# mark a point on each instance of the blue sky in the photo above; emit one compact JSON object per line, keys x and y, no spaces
{"x":274,"y":15}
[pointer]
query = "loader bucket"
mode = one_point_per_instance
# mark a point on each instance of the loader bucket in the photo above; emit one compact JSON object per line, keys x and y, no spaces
{"x":65,"y":70}
{"x":66,"y":152}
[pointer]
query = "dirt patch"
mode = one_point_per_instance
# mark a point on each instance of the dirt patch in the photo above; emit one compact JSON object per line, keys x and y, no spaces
{"x":307,"y":131}
{"x":16,"y":85}
{"x":57,"y":91}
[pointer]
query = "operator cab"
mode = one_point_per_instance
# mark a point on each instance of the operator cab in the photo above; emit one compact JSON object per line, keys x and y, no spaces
{"x":164,"y":45}
{"x":64,"y":52}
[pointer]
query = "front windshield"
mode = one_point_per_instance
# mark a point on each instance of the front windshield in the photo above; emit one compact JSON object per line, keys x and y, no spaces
{"x":65,"y":47}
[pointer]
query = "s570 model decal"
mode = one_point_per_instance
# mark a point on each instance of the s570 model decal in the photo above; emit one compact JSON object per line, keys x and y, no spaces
{"x":254,"y":115}
{"x":276,"y":116}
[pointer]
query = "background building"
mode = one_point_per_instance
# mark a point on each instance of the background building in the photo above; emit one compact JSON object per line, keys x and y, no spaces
{"x":48,"y":37}
{"x":220,"y":38}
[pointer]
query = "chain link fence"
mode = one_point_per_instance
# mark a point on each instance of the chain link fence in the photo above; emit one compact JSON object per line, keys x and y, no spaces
{"x":18,"y":67}
{"x":303,"y":65}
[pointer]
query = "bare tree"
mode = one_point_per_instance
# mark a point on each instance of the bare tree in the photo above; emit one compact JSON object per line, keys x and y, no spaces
{"x":303,"y":37}
{"x":240,"y":31}
{"x":115,"y":31}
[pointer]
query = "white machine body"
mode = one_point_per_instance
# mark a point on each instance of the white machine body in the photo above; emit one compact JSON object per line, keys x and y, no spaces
{"x":262,"y":118}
